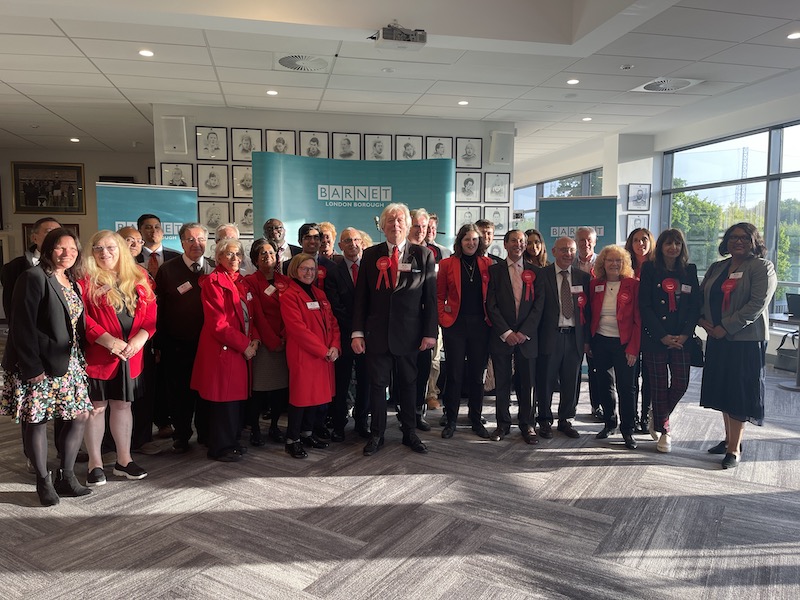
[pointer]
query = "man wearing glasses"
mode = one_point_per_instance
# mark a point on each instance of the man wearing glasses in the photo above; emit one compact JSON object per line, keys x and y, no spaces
{"x":153,"y":255}
{"x":274,"y":231}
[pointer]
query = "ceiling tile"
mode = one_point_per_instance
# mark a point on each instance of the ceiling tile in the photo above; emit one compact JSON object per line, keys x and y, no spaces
{"x":37,"y":45}
{"x":383,"y":84}
{"x":584,"y":126}
{"x":370,"y":97}
{"x":708,"y":24}
{"x":484,"y":90}
{"x":759,"y":56}
{"x":610,"y":65}
{"x":591,"y":81}
{"x":524,"y":62}
{"x":28,"y":26}
{"x":568,"y":94}
{"x":427,"y":54}
{"x":132,"y":32}
{"x":777,"y":37}
{"x":10,"y":140}
{"x":641,"y":110}
{"x":284,"y":91}
{"x":243,"y":59}
{"x":315,"y":80}
{"x":275,"y":43}
{"x":271,"y":103}
{"x":172,"y":97}
{"x":709,"y":71}
{"x":155,"y":69}
{"x":448,"y":113}
{"x":363,"y":107}
{"x":164,"y":53}
{"x":664,"y":46}
{"x":65,"y":64}
{"x":656,"y":99}
{"x":164,"y":83}
{"x":54,"y":78}
{"x":548,"y":106}
{"x":785,"y":9}
{"x":62,"y":91}
{"x":452,"y":101}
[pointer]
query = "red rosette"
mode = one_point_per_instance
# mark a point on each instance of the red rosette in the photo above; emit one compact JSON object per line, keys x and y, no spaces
{"x":383,"y":266}
{"x":582,"y":306}
{"x":280,"y":285}
{"x":670,"y":286}
{"x":624,"y":297}
{"x":322,"y":272}
{"x":528,"y":277}
{"x":727,"y":287}
{"x":485,"y":277}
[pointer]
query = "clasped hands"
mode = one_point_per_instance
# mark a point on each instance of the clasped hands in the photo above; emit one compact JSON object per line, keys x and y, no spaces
{"x":251,"y":349}
{"x":716,"y":331}
{"x":515,"y":338}
{"x":125,"y":350}
{"x":674,"y":342}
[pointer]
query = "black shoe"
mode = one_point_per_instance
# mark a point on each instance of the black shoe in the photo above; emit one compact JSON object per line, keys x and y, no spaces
{"x":722,"y":448}
{"x":416,"y":445}
{"x":374,"y":444}
{"x":443,"y":421}
{"x":498,"y":434}
{"x":228,"y":457}
{"x":296,"y":450}
{"x":312,"y":441}
{"x":529,"y":435}
{"x":276,"y":435}
{"x":256,"y":439}
{"x":546,"y":430}
{"x":422,"y":424}
{"x":644,"y":426}
{"x":96,"y":477}
{"x":568,"y":430}
{"x":480,"y":430}
{"x":630,"y":441}
{"x":47,"y":493}
{"x":337,"y":435}
{"x":130,"y":471}
{"x":731,"y":461}
{"x":597,"y":413}
{"x":448,"y":431}
{"x":363,"y":431}
{"x":322,"y":433}
{"x":605,"y":432}
{"x":180,"y":447}
{"x":67,"y":485}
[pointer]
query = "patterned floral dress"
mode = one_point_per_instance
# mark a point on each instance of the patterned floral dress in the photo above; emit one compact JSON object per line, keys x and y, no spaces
{"x":61,"y":397}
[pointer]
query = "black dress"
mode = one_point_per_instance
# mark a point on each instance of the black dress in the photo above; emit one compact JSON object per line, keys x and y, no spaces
{"x":121,"y":386}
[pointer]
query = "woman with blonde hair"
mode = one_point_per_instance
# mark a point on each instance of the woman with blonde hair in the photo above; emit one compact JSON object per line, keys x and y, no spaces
{"x":120,"y":318}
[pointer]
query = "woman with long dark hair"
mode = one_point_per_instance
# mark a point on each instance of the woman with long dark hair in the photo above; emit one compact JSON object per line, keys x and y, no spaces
{"x":535,"y":251}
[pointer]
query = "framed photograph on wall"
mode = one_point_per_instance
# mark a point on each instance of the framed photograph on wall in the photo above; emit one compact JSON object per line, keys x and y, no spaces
{"x":242,"y":181}
{"x":212,"y":143}
{"x":468,"y":186}
{"x":177,"y":174}
{"x":438,"y":147}
{"x":27,"y":230}
{"x":636,"y":221}
{"x":638,"y":196}
{"x":213,"y":214}
{"x":314,"y":144}
{"x":377,"y":146}
{"x":243,"y":217}
{"x":499,"y":215}
{"x":212,"y":181}
{"x":466,"y":215}
{"x":346,"y":146}
{"x":244,"y":142}
{"x":497,"y":187}
{"x":468,"y":153}
{"x":408,"y":147}
{"x":48,"y":188}
{"x":280,"y":141}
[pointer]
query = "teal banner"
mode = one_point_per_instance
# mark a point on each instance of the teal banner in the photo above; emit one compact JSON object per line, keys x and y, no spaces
{"x":120,"y":204}
{"x":559,"y":217}
{"x":299,"y":189}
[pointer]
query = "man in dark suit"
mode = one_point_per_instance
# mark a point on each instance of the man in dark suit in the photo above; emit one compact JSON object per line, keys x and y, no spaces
{"x":340,"y":287}
{"x":486,"y":227}
{"x":310,"y":237}
{"x":274,"y":231}
{"x":563,"y":335}
{"x":153,"y":255}
{"x":514,"y":303}
{"x":180,"y":319}
{"x":394,"y":319}
{"x":585,"y":257}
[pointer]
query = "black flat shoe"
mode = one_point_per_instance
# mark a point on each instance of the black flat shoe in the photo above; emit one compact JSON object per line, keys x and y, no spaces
{"x":731,"y":461}
{"x":337,"y":435}
{"x":322,"y":433}
{"x":448,"y":431}
{"x":276,"y":435}
{"x":605,"y":432}
{"x":416,"y":445}
{"x":296,"y":450}
{"x":256,"y":439}
{"x":374,"y":444}
{"x":312,"y":441}
{"x":722,"y":448}
{"x":630,"y":441}
{"x":480,"y":431}
{"x":422,"y":424}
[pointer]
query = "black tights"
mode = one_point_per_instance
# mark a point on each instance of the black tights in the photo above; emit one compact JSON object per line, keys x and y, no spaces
{"x":276,"y":400}
{"x":69,"y":442}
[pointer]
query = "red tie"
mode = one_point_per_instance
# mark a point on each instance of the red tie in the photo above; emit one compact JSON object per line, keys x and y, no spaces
{"x":152,"y":265}
{"x":395,"y":260}
{"x":354,"y":269}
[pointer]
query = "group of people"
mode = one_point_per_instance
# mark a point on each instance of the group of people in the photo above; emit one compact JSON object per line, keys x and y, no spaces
{"x":153,"y":336}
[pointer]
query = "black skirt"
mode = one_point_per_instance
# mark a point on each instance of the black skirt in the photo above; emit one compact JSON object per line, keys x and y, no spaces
{"x":734,"y":379}
{"x":121,"y":386}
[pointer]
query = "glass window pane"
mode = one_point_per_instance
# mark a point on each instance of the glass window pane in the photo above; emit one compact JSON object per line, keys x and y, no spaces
{"x":596,"y":182}
{"x":790,"y":156}
{"x":564,"y":187}
{"x":704,"y":215}
{"x":724,"y":161}
{"x":525,"y":198}
{"x":787,"y":263}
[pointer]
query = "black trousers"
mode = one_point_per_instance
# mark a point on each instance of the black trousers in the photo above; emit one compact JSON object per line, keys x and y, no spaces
{"x":276,"y":400}
{"x":609,"y":354}
{"x":344,"y":371}
{"x":559,"y":368}
{"x":380,"y":367}
{"x":304,"y":419}
{"x":143,"y":409}
{"x":184,"y":403}
{"x":502,"y":376}
{"x":224,"y":426}
{"x":467,"y":338}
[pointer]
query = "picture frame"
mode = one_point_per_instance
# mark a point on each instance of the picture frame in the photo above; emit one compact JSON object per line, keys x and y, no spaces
{"x":638,"y":196}
{"x":212,"y":181}
{"x":48,"y":188}
{"x":116,"y":179}
{"x":244,"y":142}
{"x":152,"y":176}
{"x":314,"y":144}
{"x":466,"y":215}
{"x":177,"y":174}
{"x":637,"y":220}
{"x":497,"y":188}
{"x":469,"y":153}
{"x":212,"y":143}
{"x":281,"y":141}
{"x":243,"y":217}
{"x":468,"y":186}
{"x":438,"y":147}
{"x":499,"y":215}
{"x":377,"y":146}
{"x":213,"y":214}
{"x":408,"y":147}
{"x":242,"y":181}
{"x":346,"y":146}
{"x":27,"y":230}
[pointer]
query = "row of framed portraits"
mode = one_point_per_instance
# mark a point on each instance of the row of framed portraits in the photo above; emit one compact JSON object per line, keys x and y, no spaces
{"x":212,"y":179}
{"x":213,"y":214}
{"x":499,"y":215}
{"x":212,"y":143}
{"x":496,"y":188}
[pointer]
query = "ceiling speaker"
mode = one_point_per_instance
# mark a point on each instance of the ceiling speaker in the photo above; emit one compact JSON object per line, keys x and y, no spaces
{"x":501,"y":148}
{"x":173,"y":135}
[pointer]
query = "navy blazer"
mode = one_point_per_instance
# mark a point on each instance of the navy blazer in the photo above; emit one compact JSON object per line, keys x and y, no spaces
{"x":341,"y":292}
{"x":549,"y":324}
{"x":501,"y":308}
{"x":657,"y":320}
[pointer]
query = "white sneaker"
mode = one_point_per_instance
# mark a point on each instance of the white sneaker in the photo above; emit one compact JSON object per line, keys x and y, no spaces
{"x":651,"y":427}
{"x":664,"y":443}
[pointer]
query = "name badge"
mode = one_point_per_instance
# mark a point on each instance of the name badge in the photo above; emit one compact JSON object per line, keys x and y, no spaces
{"x":737,"y":275}
{"x":270,"y":290}
{"x":404,"y":267}
{"x":576,"y":289}
{"x":448,"y":308}
{"x":599,"y":288}
{"x":686,"y":289}
{"x":184,"y":287}
{"x":312,"y":305}
{"x":249,"y":296}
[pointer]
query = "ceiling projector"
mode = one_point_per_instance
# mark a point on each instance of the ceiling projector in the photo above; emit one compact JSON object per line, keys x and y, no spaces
{"x":392,"y":37}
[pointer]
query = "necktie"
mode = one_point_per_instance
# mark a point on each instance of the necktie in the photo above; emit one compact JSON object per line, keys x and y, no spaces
{"x":395,"y":260}
{"x":354,"y":269}
{"x":152,"y":264}
{"x":516,"y":285}
{"x":567,"y":309}
{"x":196,"y":267}
{"x":280,"y":253}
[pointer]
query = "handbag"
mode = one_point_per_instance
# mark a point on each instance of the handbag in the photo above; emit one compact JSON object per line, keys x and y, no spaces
{"x":696,"y":358}
{"x":786,"y":358}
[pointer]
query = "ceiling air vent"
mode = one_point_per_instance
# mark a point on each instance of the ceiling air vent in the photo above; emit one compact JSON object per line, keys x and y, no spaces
{"x":303,"y":63}
{"x":667,"y":84}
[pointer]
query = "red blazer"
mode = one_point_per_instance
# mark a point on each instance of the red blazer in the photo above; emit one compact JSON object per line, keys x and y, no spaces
{"x":311,"y":332}
{"x":448,"y":287}
{"x":628,"y":320}
{"x":102,"y":318}
{"x":221,"y":373}
{"x":269,"y":322}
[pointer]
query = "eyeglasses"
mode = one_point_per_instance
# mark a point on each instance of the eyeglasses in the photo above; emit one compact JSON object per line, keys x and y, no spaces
{"x":191,"y":240}
{"x":739,"y":238}
{"x":311,"y":237}
{"x":306,"y":269}
{"x":109,"y":249}
{"x":131,"y":240}
{"x":232,"y":255}
{"x":351,"y":240}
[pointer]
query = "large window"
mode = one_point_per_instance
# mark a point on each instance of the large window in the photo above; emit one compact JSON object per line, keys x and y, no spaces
{"x":729,"y":160}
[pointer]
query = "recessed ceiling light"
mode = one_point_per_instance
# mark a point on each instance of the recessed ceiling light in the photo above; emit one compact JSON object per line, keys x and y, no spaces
{"x":272,"y":93}
{"x":74,"y":140}
{"x":387,"y":70}
{"x":147,"y":53}
{"x":586,"y":119}
{"x":462,"y":102}
{"x":625,"y":67}
{"x":573,"y":81}
{"x":34,"y":126}
{"x":794,"y":36}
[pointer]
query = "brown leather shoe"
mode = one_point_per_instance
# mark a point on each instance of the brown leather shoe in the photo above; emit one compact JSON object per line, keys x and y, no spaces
{"x":530,"y":437}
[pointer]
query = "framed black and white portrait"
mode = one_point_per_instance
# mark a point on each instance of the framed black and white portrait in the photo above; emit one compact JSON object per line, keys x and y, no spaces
{"x":212,"y":143}
{"x":314,"y":144}
{"x":280,"y":141}
{"x":466,"y":215}
{"x":243,"y":217}
{"x":408,"y":147}
{"x":638,"y":221}
{"x":212,"y":181}
{"x":213,"y":214}
{"x":346,"y":146}
{"x":499,"y":215}
{"x":468,"y":186}
{"x":497,"y":187}
{"x":244,"y":142}
{"x":242,"y":181}
{"x":639,"y":196}
{"x":176,"y":174}
{"x":438,"y":147}
{"x":377,"y":146}
{"x":468,"y":153}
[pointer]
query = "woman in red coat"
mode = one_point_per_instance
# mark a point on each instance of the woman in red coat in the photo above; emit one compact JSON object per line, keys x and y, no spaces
{"x":120,"y":310}
{"x":228,"y":340}
{"x":616,"y":333}
{"x":461,"y":301}
{"x":312,"y":346}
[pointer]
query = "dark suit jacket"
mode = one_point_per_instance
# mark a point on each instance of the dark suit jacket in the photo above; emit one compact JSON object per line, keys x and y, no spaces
{"x":396,"y":320}
{"x":657,"y":320}
{"x":342,"y":295}
{"x":180,"y":315}
{"x":8,"y":277}
{"x":549,"y":324}
{"x":502,"y":310}
{"x":168,"y":255}
{"x":41,"y":335}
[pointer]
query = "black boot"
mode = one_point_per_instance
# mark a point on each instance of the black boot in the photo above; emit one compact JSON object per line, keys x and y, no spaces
{"x":67,"y":485}
{"x":47,"y":493}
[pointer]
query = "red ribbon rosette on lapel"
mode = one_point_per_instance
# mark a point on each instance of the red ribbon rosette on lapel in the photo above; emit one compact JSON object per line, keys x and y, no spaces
{"x":383,"y":275}
{"x":280,"y":285}
{"x":670,"y":286}
{"x":528,"y":278}
{"x":322,"y":272}
{"x":581,"y":306}
{"x":727,"y":287}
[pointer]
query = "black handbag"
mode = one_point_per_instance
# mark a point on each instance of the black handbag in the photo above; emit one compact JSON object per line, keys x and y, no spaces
{"x":696,"y":358}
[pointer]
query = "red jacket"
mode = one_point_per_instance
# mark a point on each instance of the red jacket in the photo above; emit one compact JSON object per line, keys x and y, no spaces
{"x":311,"y":331}
{"x":102,"y":318}
{"x":628,"y":320}
{"x":448,"y":287}
{"x":267,"y":296}
{"x":221,"y":373}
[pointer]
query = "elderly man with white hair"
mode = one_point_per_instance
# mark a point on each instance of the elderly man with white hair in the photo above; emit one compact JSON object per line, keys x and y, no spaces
{"x":231,"y":231}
